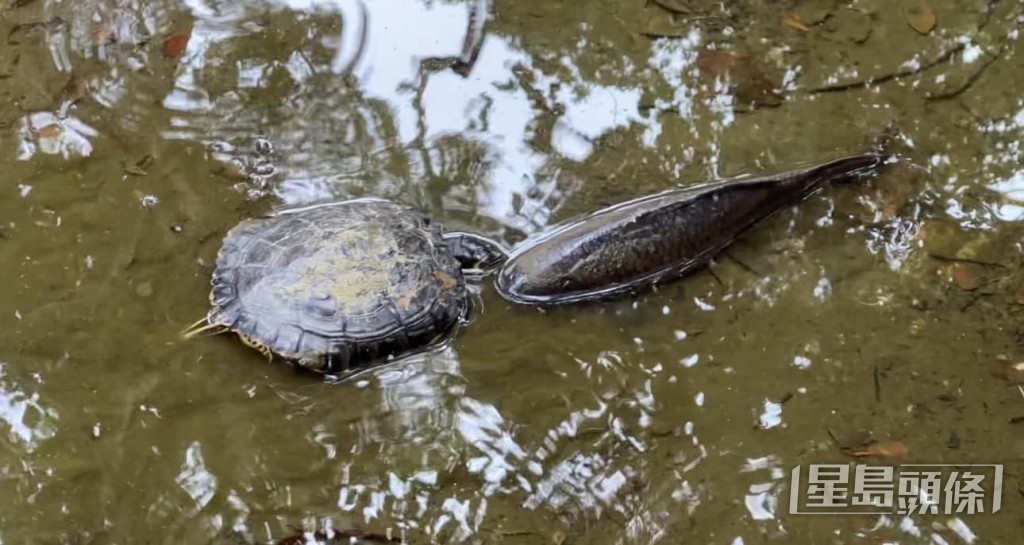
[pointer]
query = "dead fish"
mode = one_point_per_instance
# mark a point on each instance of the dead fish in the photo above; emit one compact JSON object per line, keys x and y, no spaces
{"x":660,"y":237}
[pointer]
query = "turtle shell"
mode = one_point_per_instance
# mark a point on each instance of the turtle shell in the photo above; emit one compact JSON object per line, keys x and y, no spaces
{"x":337,"y":286}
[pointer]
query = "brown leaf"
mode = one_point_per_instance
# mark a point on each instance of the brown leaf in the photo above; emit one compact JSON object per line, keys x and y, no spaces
{"x":749,"y":83}
{"x":883,"y":449}
{"x":50,"y":132}
{"x":963,"y":278}
{"x":104,"y":36}
{"x":793,"y":20}
{"x":920,"y":17}
{"x":175,"y":45}
{"x":445,"y":280}
{"x":405,"y":301}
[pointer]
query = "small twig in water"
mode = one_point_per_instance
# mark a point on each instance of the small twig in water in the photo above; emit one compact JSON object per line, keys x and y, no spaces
{"x":713,"y":275}
{"x":741,"y":263}
{"x":835,"y":439}
{"x":949,"y":259}
{"x":973,"y":300}
{"x":906,"y":72}
{"x":970,"y":81}
{"x":878,"y":384}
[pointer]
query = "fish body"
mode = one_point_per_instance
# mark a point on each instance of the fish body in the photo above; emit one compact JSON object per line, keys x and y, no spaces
{"x":659,"y":237}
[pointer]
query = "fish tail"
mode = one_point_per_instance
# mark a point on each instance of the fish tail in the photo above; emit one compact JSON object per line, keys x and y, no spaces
{"x":850,"y":167}
{"x":879,"y":153}
{"x":886,"y":140}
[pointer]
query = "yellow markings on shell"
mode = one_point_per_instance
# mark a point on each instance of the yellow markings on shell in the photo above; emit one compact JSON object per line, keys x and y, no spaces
{"x":334,"y":276}
{"x":446,"y":280}
{"x":405,"y":301}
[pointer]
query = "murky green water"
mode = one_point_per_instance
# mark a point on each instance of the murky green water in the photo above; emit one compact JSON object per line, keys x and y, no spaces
{"x":134,"y":134}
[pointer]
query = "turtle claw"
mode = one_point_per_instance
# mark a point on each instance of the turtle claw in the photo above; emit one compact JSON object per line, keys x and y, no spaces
{"x":200,"y":326}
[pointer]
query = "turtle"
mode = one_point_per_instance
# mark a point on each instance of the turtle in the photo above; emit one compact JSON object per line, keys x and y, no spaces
{"x":336,"y":287}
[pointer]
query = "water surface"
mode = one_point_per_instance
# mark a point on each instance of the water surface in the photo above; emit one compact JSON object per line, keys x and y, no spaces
{"x":133,"y":135}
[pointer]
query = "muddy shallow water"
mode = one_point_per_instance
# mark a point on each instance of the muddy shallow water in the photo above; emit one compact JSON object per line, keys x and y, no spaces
{"x":134,"y":134}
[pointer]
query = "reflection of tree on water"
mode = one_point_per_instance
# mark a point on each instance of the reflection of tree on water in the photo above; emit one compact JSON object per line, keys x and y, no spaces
{"x":72,"y":66}
{"x":431,"y":459}
{"x":380,"y":127}
{"x":329,"y":139}
{"x":458,"y":467}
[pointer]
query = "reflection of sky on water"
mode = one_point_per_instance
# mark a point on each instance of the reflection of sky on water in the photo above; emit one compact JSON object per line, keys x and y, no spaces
{"x":98,"y":33}
{"x":195,"y":479}
{"x":586,"y":464}
{"x":322,"y":155}
{"x":46,"y":133}
{"x":1010,"y":185}
{"x":28,"y":420}
{"x":592,"y":463}
{"x":400,"y":33}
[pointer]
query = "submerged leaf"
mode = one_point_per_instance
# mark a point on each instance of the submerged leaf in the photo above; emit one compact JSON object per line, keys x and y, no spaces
{"x":793,"y":20}
{"x":50,"y":132}
{"x":963,"y":278}
{"x":920,"y":17}
{"x":104,"y":36}
{"x":175,"y":45}
{"x":854,"y":440}
{"x":749,"y":83}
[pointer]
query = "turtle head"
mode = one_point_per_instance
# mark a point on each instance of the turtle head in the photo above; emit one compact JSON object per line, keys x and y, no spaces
{"x":476,"y":254}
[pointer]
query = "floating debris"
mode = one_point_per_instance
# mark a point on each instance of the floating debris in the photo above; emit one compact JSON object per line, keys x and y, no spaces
{"x":748,"y":82}
{"x":920,"y":17}
{"x":963,"y":278}
{"x":175,"y":45}
{"x":793,"y":20}
{"x":139,"y":167}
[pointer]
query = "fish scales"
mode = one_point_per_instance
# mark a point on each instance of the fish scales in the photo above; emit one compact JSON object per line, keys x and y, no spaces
{"x":658,"y":237}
